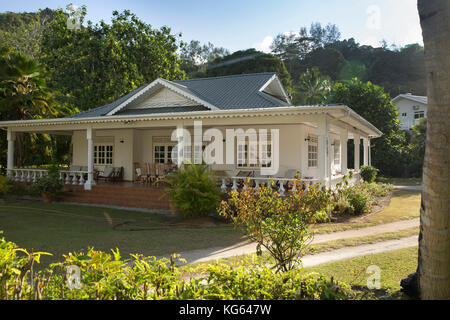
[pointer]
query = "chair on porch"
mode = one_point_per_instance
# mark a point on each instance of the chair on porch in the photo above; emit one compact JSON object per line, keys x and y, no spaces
{"x":107,"y":173}
{"x":140,"y":173}
{"x":117,"y":174}
{"x":151,"y":172}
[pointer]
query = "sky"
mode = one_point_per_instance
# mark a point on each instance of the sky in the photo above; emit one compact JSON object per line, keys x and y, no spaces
{"x":239,"y":25}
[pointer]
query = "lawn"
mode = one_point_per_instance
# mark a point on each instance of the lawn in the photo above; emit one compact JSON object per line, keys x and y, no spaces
{"x":401,"y":181}
{"x":394,"y":265}
{"x":61,"y":228}
{"x":404,"y":204}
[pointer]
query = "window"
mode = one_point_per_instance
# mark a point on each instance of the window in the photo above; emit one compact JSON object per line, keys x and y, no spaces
{"x":248,"y":157}
{"x":404,"y":114}
{"x":162,"y":153}
{"x":103,"y":154}
{"x":337,"y":152}
{"x":312,"y":151}
{"x":419,"y":114}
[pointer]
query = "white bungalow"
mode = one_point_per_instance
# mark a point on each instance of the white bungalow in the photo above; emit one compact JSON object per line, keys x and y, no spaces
{"x":138,"y":128}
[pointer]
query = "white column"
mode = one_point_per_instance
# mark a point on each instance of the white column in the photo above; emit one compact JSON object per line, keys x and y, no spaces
{"x":356,"y":139}
{"x":343,"y":142}
{"x":370,"y":154}
{"x":181,"y":144}
{"x":90,"y":180}
{"x":11,"y":136}
{"x":366,"y":151}
{"x":330,"y":158}
{"x":322,"y":129}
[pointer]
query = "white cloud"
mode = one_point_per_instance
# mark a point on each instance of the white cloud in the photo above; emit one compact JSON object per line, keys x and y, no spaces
{"x":264,"y":45}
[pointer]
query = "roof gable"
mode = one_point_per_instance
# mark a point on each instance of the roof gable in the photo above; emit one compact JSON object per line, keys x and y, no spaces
{"x":244,"y":91}
{"x":420,"y":99}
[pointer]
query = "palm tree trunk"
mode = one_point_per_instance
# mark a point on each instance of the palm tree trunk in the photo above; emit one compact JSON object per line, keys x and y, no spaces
{"x":434,"y":241}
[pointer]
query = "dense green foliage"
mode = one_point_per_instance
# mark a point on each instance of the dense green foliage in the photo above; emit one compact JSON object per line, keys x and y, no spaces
{"x":312,"y":88}
{"x":369,"y":173}
{"x":358,"y":199}
{"x":193,"y":190}
{"x":248,"y":61}
{"x":107,"y":276}
{"x":49,"y":183}
{"x":278,"y":223}
{"x":5,"y":185}
{"x":373,"y":104}
{"x":111,"y":59}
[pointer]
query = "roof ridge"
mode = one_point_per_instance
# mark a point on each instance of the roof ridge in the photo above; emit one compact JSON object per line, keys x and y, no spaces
{"x":228,"y":76}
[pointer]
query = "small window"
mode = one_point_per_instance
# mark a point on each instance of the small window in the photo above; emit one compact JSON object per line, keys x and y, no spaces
{"x":404,"y":114}
{"x":312,"y":151}
{"x":103,"y":154}
{"x":419,"y":114}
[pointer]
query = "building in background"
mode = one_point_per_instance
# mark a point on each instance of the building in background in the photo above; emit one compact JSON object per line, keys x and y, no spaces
{"x":410,"y":109}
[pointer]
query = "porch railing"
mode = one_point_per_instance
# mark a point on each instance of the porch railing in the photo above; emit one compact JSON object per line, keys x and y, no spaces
{"x":282,"y":184}
{"x":32,"y":175}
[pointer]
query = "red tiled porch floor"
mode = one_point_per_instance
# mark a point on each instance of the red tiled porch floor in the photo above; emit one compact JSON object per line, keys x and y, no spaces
{"x":122,"y":194}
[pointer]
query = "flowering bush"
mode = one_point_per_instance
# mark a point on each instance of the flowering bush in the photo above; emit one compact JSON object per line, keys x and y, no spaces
{"x":280,"y":224}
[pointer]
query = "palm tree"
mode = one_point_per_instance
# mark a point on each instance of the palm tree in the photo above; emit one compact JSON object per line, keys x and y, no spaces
{"x":313,"y":87}
{"x":22,"y":92}
{"x":433,"y":272}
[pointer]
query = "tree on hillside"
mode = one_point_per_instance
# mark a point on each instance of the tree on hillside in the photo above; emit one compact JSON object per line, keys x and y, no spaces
{"x":373,"y":104}
{"x":99,"y":63}
{"x":399,"y":71}
{"x":328,"y":60}
{"x":293,"y":47}
{"x":433,"y":270}
{"x":249,"y":61}
{"x":22,"y":32}
{"x":195,"y":57}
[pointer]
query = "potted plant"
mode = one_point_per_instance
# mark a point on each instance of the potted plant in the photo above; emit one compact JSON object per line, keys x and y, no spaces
{"x":50,"y":186}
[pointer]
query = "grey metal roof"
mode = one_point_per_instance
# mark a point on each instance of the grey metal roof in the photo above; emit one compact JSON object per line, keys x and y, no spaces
{"x":421,"y":99}
{"x":103,"y":110}
{"x":235,"y":91}
{"x":227,"y":92}
{"x":132,"y":112}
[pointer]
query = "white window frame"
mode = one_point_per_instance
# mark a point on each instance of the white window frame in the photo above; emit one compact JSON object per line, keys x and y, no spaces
{"x":167,"y":153}
{"x":419,"y":115}
{"x":337,"y":153}
{"x":313,"y":151}
{"x":103,"y":157}
{"x":243,"y":154}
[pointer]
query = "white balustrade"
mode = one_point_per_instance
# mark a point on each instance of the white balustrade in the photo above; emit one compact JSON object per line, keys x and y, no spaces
{"x":33,"y":175}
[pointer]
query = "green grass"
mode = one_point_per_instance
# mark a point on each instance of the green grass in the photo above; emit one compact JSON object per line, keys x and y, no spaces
{"x":394,"y":265}
{"x":405,"y":204}
{"x":62,"y":228}
{"x":330,"y":245}
{"x":401,"y":181}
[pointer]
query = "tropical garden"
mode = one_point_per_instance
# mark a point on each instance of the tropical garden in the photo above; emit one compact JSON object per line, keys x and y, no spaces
{"x":49,"y":70}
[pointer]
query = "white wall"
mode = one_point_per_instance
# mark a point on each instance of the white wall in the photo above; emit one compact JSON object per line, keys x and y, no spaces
{"x":122,"y":152}
{"x":138,"y":147}
{"x":406,"y":106}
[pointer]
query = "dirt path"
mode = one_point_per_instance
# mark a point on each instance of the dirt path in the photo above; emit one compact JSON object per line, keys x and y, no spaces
{"x":209,"y":254}
{"x":362,"y":250}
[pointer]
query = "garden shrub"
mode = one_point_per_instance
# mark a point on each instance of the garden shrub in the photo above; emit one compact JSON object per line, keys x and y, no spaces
{"x":280,"y":224}
{"x":50,"y":183}
{"x":369,"y":173}
{"x":193,"y":190}
{"x":359,"y":198}
{"x":5,"y":186}
{"x":107,"y":276}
